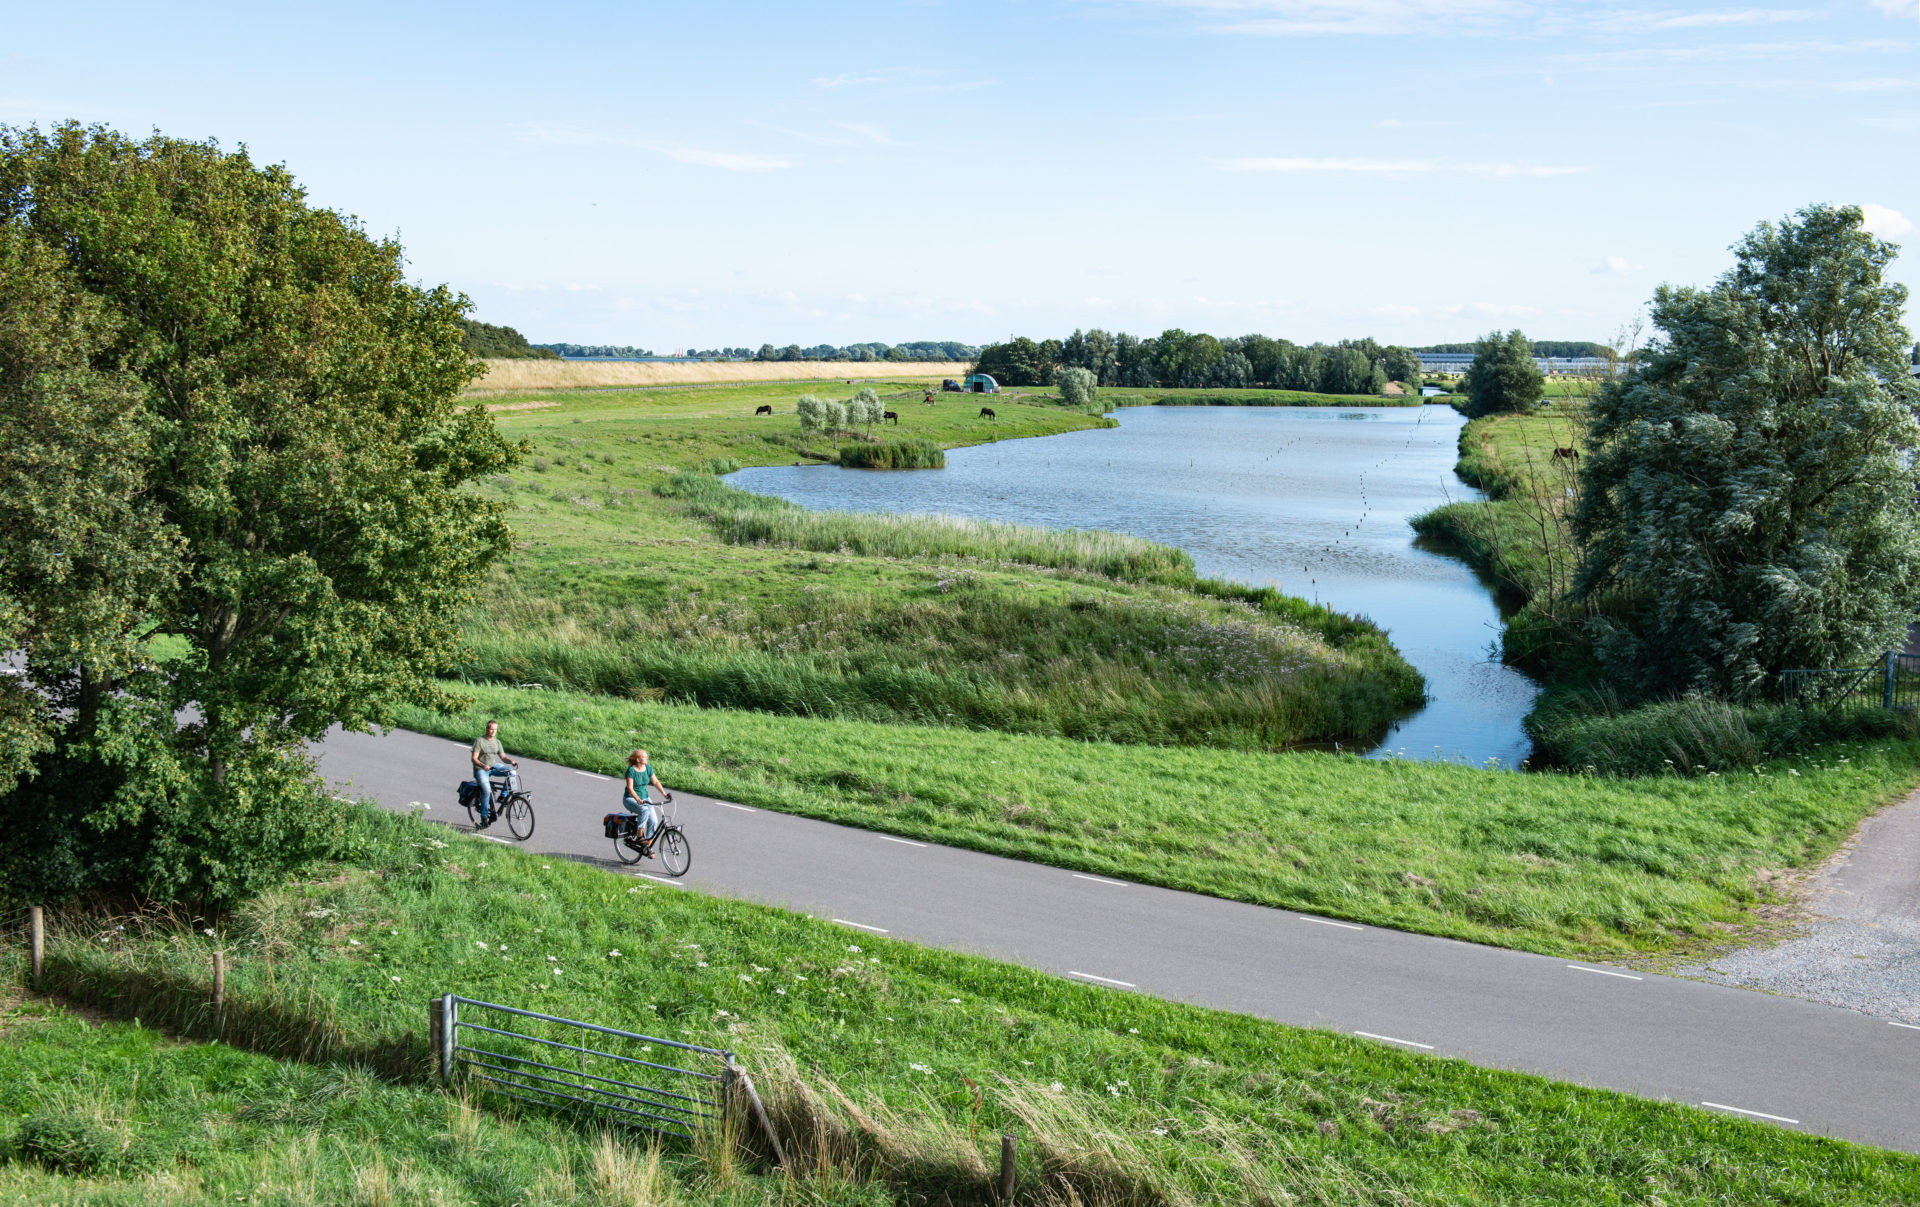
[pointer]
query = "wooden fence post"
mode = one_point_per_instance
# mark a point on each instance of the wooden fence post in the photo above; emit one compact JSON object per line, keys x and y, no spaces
{"x":37,"y":930}
{"x":219,"y":980}
{"x":433,"y":1033}
{"x":449,"y":1034}
{"x":738,"y":1076}
{"x":1007,"y":1146}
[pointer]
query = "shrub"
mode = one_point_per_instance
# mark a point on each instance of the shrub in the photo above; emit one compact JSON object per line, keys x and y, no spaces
{"x":68,"y":1144}
{"x":894,"y":454}
{"x":812,"y":413}
{"x":836,"y":413}
{"x":1585,"y":731}
{"x":1076,"y":385}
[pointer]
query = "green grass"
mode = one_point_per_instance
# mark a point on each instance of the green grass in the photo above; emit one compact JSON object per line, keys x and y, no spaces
{"x":1548,"y":862}
{"x":1119,"y":1098}
{"x":635,"y":577}
{"x":893,"y":454}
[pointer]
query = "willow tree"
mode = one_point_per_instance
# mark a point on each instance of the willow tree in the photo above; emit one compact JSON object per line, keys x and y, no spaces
{"x":1748,"y":492}
{"x":274,"y":539}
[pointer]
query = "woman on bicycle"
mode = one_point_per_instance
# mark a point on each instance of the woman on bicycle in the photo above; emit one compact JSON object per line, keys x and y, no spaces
{"x":633,"y":796}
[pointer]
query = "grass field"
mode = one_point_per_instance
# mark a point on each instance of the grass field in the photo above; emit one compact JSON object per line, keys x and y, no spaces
{"x":505,"y":375}
{"x":1556,"y":863}
{"x":890,"y":1069}
{"x":635,"y":577}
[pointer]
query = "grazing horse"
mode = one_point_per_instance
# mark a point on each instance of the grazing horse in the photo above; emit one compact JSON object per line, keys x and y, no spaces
{"x":1566,"y":454}
{"x":886,"y":415}
{"x":929,"y":398}
{"x":766,"y":409}
{"x":987,"y":413}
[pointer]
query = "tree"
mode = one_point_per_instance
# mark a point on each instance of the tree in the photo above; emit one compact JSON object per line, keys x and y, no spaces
{"x":866,"y":408}
{"x":1747,"y":499}
{"x":285,"y":544}
{"x":836,"y":415}
{"x":1504,"y":376}
{"x":812,"y":413}
{"x":1076,"y":385}
{"x":1401,"y":365}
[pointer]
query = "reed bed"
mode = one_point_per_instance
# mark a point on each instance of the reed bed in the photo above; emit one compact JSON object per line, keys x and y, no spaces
{"x":894,"y":454}
{"x":505,"y":375}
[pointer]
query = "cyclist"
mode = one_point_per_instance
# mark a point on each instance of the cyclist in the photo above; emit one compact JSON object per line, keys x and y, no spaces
{"x":487,"y":757}
{"x":634,"y":799}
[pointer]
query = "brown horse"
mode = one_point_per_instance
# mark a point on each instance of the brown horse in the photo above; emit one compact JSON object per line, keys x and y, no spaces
{"x":765,"y":410}
{"x":1566,"y":454}
{"x":987,"y":413}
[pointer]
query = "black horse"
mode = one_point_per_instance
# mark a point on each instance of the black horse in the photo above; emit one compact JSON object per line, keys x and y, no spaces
{"x":987,"y":413}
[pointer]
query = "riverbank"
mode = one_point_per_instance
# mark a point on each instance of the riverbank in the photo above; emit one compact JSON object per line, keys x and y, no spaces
{"x":890,"y":1069}
{"x":638,"y":575}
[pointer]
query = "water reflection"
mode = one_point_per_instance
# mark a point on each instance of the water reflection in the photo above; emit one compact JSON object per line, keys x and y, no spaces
{"x":1312,"y":500}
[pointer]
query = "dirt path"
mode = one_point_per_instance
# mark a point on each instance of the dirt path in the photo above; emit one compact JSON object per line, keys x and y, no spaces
{"x":1862,"y":950}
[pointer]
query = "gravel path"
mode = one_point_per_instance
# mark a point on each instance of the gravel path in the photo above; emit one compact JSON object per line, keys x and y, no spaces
{"x":1863,"y":949}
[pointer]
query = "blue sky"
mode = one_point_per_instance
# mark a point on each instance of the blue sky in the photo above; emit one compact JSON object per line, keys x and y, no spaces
{"x":673,"y":176}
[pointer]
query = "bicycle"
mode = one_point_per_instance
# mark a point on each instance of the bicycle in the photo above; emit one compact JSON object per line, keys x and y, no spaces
{"x":669,"y":841}
{"x":509,"y":801}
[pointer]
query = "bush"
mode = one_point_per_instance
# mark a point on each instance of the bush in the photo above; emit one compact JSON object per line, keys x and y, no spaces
{"x":812,"y":413}
{"x":1076,"y":385}
{"x":894,"y":454}
{"x":1584,"y":731}
{"x":68,"y":1144}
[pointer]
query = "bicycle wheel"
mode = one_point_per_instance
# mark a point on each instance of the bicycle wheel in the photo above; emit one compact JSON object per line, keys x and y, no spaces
{"x":520,"y":815}
{"x":675,"y":855}
{"x":624,"y":847}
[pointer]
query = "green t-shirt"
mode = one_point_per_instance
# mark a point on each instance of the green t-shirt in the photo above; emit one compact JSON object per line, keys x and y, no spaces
{"x":488,"y":751}
{"x":637,"y":780}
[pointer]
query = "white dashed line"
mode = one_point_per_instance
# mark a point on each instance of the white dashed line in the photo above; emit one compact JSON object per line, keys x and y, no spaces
{"x":1908,"y":1026}
{"x":878,"y":930}
{"x":1102,"y":880}
{"x":490,"y":838}
{"x":902,"y":841}
{"x":1625,"y":976}
{"x":590,"y":775}
{"x":726,"y":804}
{"x":1104,"y":980}
{"x":661,"y":879}
{"x":1326,"y":922}
{"x":1388,"y":1039}
{"x":1721,"y":1106}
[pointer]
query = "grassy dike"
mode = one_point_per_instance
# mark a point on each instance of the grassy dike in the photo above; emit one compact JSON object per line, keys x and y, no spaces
{"x":1562,"y":864}
{"x":893,"y":1068}
{"x":636,"y":576}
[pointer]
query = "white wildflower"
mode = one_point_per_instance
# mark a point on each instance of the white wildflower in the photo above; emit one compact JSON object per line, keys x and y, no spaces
{"x":919,"y":1068}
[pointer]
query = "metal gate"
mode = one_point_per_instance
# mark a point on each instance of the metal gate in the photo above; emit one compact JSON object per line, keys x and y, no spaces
{"x":1892,"y":682}
{"x":558,"y":1068}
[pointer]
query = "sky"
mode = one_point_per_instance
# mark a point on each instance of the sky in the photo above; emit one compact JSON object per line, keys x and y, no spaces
{"x":679,"y":176}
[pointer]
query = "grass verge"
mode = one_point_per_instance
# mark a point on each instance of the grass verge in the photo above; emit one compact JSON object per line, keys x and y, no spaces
{"x":1564,"y":864}
{"x":891,"y":1069}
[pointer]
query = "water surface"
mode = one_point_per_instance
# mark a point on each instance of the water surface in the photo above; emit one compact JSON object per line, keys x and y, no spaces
{"x":1313,"y":500}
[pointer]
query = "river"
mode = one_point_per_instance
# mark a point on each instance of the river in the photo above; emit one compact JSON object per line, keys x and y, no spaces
{"x":1313,"y":500}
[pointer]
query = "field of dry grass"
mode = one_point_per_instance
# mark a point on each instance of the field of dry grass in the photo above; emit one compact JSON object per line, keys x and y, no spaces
{"x":506,"y":375}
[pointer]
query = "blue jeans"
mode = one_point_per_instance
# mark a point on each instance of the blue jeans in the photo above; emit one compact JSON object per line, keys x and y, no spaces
{"x":483,"y":778}
{"x":648,"y":815}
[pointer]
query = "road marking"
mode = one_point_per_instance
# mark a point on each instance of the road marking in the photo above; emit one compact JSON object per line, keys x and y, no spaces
{"x":1325,"y":922}
{"x":1908,"y":1026}
{"x":902,"y":841}
{"x":1625,"y":976}
{"x":490,"y":838}
{"x":1721,"y":1106}
{"x":1391,"y":1040}
{"x":662,"y":880}
{"x":590,"y":775}
{"x":730,"y":805}
{"x":1102,"y":880}
{"x":1104,"y":980}
{"x":878,"y":930}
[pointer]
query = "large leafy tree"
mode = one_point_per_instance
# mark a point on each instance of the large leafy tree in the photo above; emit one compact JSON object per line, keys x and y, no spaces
{"x":1504,"y":375}
{"x":256,"y":524}
{"x":1748,"y":494}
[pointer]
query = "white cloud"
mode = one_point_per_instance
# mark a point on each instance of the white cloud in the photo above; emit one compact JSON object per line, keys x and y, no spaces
{"x":855,"y":80}
{"x":1391,"y":166}
{"x":730,"y":161}
{"x":1284,"y":18}
{"x":1897,"y":8}
{"x":1726,"y":17}
{"x":1884,"y":222}
{"x":1617,"y":265}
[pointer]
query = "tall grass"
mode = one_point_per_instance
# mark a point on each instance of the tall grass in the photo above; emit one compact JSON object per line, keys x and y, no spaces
{"x":1592,"y":731}
{"x":747,"y":519}
{"x":586,"y":374}
{"x":894,"y":454}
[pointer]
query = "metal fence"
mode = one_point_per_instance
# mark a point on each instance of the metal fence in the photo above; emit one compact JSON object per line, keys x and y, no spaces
{"x":1892,"y":682}
{"x":580,"y":1067}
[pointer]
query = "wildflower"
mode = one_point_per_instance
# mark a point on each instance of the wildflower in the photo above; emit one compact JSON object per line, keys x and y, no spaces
{"x":208,"y":932}
{"x":546,"y":867}
{"x":919,"y":1068}
{"x":353,"y":942}
{"x":1056,"y":1087}
{"x":853,"y":947}
{"x":629,"y":891}
{"x":954,"y":1000}
{"x":481,"y":864}
{"x":394,"y":979}
{"x":757,"y":968}
{"x":699,"y":963}
{"x":1027,"y":1062}
{"x":1133,"y":1030}
{"x":781,"y":992}
{"x":1159,"y":1131}
{"x":553,"y":959}
{"x":480,"y":945}
{"x":1114,"y":1090}
{"x":745,"y":979}
{"x":554,"y":971}
{"x":1793,"y":773}
{"x":614,"y":954}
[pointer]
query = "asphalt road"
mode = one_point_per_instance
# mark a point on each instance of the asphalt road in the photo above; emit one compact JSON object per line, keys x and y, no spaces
{"x":1793,"y":1063}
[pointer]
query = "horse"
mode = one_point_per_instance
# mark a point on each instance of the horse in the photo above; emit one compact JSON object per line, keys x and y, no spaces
{"x":1566,"y":454}
{"x":766,"y":409}
{"x":987,"y":413}
{"x":886,"y":415}
{"x":929,"y":398}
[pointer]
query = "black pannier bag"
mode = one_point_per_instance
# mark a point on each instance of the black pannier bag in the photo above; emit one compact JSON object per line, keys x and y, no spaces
{"x":467,"y":791}
{"x":612,"y":823}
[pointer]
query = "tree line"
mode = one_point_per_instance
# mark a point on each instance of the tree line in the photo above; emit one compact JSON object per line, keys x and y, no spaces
{"x":1177,"y":358}
{"x":1541,"y":347}
{"x":488,"y":342}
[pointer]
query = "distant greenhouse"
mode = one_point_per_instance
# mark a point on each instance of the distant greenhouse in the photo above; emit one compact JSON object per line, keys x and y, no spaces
{"x":1566,"y":366}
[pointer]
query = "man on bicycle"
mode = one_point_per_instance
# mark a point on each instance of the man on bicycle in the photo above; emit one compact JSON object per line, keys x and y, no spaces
{"x":633,"y":795}
{"x":487,"y":757}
